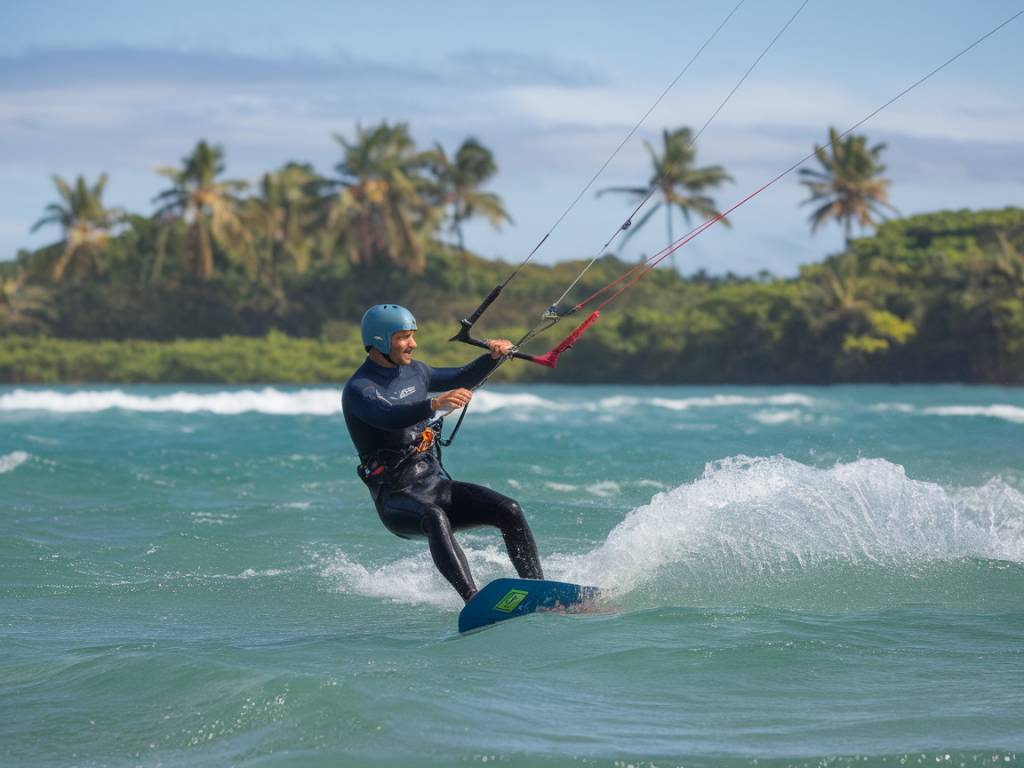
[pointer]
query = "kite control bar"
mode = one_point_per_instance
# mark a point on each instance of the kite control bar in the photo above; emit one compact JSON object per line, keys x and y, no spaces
{"x":466,"y":338}
{"x":549,"y":359}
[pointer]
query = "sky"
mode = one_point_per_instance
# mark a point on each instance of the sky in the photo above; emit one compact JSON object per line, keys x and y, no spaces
{"x":552,"y":88}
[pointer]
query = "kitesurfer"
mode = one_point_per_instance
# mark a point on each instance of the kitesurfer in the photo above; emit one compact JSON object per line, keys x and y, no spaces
{"x":389,"y":413}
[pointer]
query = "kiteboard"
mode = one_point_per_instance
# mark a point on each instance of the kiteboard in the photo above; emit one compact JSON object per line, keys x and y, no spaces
{"x":504,"y":599}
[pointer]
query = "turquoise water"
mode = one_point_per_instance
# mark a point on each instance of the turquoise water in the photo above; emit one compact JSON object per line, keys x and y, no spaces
{"x":793,"y":576}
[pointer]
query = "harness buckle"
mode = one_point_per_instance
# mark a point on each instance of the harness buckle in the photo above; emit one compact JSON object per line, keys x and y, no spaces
{"x":426,"y":440}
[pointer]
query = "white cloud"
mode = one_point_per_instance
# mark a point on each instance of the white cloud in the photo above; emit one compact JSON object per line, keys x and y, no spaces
{"x":933,"y":111}
{"x":551,"y":122}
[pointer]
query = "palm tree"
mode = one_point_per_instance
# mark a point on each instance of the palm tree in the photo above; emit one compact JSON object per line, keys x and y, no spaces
{"x":682,"y":186}
{"x":458,"y":186}
{"x":849,"y":189}
{"x":380,"y":207}
{"x":86,"y":223}
{"x":993,"y":293}
{"x":208,"y":207}
{"x":839,"y":299}
{"x":24,"y":308}
{"x":283,"y":214}
{"x":836,"y":291}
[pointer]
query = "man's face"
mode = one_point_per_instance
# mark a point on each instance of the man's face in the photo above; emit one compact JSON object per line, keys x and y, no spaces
{"x":402,"y":345}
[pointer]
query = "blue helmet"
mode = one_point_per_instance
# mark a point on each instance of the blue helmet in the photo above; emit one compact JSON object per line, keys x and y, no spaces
{"x":381,"y":321}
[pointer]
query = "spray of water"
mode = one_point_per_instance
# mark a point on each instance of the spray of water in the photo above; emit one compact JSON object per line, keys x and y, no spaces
{"x":768,"y":531}
{"x":750,"y":523}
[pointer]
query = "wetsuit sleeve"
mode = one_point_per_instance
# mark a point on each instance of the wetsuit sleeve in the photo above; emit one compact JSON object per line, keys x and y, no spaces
{"x":368,"y":405}
{"x":468,"y":376}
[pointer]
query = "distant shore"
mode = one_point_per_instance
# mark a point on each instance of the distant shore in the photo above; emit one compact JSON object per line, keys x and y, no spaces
{"x":279,"y":359}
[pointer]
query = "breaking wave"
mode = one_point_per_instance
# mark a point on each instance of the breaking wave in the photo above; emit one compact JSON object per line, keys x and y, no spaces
{"x":327,"y":401}
{"x":318,"y":402}
{"x":753,"y":524}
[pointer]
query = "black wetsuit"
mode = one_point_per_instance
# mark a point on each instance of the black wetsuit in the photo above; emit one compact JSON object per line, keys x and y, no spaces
{"x":386,"y":411}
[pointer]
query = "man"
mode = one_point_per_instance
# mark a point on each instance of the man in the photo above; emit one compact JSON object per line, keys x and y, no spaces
{"x":388,"y":410}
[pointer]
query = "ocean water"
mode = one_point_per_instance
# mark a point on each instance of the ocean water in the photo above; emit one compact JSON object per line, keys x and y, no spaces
{"x":194,"y":576}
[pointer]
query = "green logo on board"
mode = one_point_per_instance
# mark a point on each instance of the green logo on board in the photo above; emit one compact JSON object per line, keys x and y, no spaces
{"x":511,"y":600}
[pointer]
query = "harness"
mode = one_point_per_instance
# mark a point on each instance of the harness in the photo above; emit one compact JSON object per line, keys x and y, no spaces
{"x":378,"y":465}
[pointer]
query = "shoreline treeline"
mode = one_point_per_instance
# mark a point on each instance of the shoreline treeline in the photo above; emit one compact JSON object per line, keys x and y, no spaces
{"x":216,"y":286}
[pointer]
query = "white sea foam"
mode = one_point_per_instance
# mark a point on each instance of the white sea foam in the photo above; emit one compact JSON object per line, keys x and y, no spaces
{"x":732,"y":401}
{"x":616,"y":402}
{"x":773,"y":418}
{"x":11,"y":461}
{"x":269,"y":400}
{"x":560,"y":487}
{"x":1005,"y":412}
{"x":746,"y":518}
{"x":205,"y":577}
{"x":651,"y":484}
{"x":317,"y":402}
{"x":892,"y":408}
{"x":212,"y":518}
{"x":411,"y":579}
{"x":252,"y":573}
{"x":327,"y":401}
{"x":627,"y":402}
{"x":487,"y":401}
{"x":604,"y":488}
{"x":1011,"y":413}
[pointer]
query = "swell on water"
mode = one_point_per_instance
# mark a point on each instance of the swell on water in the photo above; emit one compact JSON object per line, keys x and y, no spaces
{"x":771,"y":531}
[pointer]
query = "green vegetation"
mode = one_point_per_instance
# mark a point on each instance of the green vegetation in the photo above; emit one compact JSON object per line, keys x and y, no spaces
{"x":228,"y":360}
{"x":227,"y":284}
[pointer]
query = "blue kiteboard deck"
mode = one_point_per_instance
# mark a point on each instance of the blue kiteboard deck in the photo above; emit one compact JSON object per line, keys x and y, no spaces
{"x":507,"y":598}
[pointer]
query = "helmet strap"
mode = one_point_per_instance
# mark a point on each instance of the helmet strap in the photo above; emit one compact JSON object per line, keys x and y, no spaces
{"x":384,"y":355}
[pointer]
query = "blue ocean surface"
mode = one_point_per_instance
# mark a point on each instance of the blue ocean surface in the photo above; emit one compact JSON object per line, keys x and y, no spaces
{"x":194,"y":576}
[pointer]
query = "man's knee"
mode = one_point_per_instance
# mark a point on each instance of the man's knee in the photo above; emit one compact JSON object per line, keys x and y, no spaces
{"x":434,"y":521}
{"x":512,"y":514}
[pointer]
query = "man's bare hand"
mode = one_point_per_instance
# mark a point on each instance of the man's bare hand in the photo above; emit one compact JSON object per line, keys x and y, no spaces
{"x":500,"y":347}
{"x":449,"y":401}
